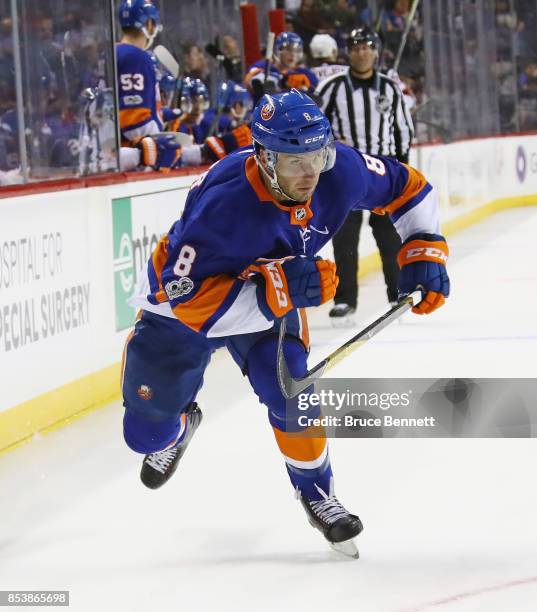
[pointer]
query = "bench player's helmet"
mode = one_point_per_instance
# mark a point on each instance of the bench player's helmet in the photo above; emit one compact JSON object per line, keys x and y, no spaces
{"x":290,"y":42}
{"x":167,"y":83}
{"x":137,"y":14}
{"x":197,"y":91}
{"x":291,"y":122}
{"x":234,"y":98}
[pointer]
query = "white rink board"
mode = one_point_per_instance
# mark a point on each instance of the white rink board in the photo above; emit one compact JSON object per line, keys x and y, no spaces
{"x":64,"y":284}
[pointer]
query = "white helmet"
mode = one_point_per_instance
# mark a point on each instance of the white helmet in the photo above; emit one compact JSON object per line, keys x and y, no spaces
{"x":323,"y":46}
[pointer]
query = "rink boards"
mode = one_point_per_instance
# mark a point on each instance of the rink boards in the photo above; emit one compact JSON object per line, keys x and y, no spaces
{"x":69,"y":261}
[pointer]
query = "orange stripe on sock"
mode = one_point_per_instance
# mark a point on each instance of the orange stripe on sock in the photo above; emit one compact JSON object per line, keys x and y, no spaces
{"x":299,"y":446}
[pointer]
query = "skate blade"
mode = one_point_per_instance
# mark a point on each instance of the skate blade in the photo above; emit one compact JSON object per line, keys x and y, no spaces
{"x":347,"y":548}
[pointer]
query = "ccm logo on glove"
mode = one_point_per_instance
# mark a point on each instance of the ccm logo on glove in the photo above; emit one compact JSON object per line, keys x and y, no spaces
{"x":422,"y":259}
{"x":280,"y":289}
{"x":293,"y":282}
{"x":430,"y":252}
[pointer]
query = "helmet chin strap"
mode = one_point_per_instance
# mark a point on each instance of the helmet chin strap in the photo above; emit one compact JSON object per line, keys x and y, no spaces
{"x":150,"y":37}
{"x":273,"y":180}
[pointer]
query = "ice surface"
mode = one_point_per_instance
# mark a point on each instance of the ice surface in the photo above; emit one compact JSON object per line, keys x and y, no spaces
{"x":449,"y":524}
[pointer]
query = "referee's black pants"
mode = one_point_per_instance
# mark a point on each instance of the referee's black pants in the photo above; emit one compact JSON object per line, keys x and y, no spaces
{"x":345,"y":243}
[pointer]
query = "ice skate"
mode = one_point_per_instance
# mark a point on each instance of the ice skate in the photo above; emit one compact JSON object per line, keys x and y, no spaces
{"x":157,"y":468}
{"x":342,"y":315}
{"x":336,"y":523}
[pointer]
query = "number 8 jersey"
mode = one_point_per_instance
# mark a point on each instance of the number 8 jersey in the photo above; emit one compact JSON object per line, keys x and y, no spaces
{"x":200,"y":271}
{"x":139,"y":96}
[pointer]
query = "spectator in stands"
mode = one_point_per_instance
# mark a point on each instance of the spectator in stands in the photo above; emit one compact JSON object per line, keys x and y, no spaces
{"x":195,"y":64}
{"x":343,"y":16}
{"x":233,"y":62}
{"x":309,"y":21}
{"x":394,"y":15}
{"x":228,"y":52}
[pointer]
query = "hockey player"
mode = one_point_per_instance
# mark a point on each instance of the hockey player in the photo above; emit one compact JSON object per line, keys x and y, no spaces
{"x":233,"y":125}
{"x":198,"y":121}
{"x":286,"y":70}
{"x":236,"y":104}
{"x":140,"y":114}
{"x":229,"y":128}
{"x":139,"y":98}
{"x":241,"y":257}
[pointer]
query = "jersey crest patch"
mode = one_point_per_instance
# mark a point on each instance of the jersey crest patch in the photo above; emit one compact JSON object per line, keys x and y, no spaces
{"x":177,"y":288}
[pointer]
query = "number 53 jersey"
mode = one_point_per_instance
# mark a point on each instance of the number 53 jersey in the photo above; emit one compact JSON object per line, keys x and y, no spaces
{"x":139,"y":96}
{"x":199,"y":271}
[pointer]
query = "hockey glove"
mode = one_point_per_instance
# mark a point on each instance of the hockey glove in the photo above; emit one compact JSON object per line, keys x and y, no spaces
{"x":422,"y":259}
{"x":171,"y":114}
{"x":216,"y":148}
{"x":295,"y":282}
{"x":160,"y":152}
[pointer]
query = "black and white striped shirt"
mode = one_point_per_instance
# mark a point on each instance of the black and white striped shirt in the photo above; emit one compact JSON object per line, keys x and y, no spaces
{"x":371,"y":115}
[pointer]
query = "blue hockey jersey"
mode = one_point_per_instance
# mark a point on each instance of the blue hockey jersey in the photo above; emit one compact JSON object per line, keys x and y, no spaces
{"x":198,"y":271}
{"x":139,"y":96}
{"x":300,"y":78}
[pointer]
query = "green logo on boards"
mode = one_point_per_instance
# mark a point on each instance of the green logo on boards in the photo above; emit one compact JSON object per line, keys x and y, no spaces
{"x":124,"y":272}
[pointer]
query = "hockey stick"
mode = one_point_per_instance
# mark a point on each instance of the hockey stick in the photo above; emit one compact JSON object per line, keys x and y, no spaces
{"x":167,"y":60}
{"x":402,"y":44}
{"x":268,"y":53}
{"x":291,"y":387}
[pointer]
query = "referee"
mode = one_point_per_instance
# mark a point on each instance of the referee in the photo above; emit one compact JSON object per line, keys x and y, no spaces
{"x":367,"y":110}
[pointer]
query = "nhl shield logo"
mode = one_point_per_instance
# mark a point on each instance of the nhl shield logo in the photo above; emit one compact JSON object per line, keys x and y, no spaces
{"x":382,"y":104}
{"x":267,"y":110}
{"x":300,"y":213}
{"x":145,"y":392}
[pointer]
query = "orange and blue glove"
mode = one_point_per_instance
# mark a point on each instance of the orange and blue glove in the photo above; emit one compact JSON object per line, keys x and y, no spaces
{"x":422,"y":259}
{"x":294,"y":282}
{"x":161,"y":152}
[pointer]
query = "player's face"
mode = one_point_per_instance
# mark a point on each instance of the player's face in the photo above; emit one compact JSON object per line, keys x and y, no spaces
{"x":298,"y":175}
{"x":290,"y":56}
{"x":362,"y":57}
{"x":199,"y":104}
{"x":238,"y":111}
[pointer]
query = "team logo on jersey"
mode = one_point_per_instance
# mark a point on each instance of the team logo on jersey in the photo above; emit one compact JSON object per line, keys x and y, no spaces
{"x":300,"y":213}
{"x":267,"y":110}
{"x":382,"y":104}
{"x":145,"y":392}
{"x":177,"y":288}
{"x":132,"y":100}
